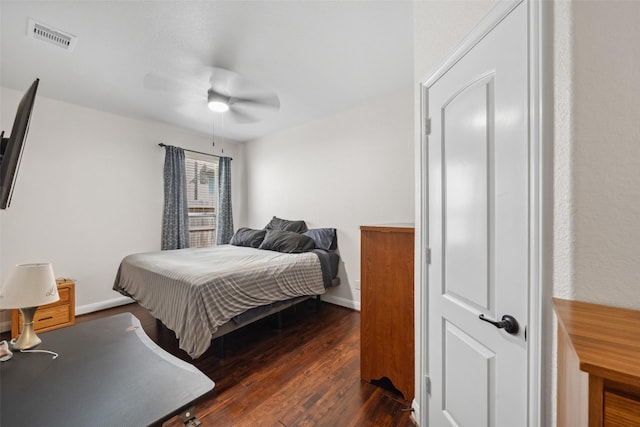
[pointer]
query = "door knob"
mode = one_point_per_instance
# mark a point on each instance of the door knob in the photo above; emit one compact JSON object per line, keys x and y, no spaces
{"x":508,"y":323}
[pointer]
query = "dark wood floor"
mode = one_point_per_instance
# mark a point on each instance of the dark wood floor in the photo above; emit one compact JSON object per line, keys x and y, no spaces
{"x":305,"y":374}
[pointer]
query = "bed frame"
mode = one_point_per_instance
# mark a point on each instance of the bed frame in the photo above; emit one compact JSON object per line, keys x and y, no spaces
{"x":231,"y":326}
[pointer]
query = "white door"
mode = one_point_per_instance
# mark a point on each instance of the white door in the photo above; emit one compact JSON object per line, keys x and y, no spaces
{"x":478,"y":185}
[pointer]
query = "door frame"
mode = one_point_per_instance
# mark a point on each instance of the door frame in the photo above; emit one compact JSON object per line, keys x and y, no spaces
{"x":540,"y":203}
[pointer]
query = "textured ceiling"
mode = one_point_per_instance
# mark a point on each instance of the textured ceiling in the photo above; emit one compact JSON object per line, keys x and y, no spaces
{"x":319,"y":57}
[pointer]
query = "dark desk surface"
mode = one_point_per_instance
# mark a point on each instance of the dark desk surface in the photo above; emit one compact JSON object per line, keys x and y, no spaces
{"x":109,"y":373}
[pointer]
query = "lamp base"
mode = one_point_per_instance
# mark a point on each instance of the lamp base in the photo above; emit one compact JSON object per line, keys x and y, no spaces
{"x":28,"y":338}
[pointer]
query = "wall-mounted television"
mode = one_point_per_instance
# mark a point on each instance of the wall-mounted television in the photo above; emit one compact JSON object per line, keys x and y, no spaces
{"x":11,"y":148}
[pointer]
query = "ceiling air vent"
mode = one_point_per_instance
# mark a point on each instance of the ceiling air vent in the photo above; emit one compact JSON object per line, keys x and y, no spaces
{"x":44,"y":32}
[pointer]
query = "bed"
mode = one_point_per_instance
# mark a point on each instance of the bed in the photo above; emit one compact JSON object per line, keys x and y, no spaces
{"x":204,"y":293}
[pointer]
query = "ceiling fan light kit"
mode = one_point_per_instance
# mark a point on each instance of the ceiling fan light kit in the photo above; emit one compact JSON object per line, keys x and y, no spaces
{"x":217,"y":102}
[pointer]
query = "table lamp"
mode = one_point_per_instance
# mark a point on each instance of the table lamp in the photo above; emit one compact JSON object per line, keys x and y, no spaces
{"x":29,"y":286}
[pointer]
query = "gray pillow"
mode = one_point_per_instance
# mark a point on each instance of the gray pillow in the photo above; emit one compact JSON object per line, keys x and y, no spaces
{"x":248,"y":237}
{"x":324,"y":238}
{"x":287,"y":241}
{"x":286,"y":225}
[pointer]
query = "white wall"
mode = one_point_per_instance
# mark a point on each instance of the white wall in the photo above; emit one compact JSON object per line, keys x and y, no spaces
{"x":89,"y":192}
{"x":597,"y":155}
{"x":563,"y":209}
{"x":606,"y":151}
{"x":347,"y":170}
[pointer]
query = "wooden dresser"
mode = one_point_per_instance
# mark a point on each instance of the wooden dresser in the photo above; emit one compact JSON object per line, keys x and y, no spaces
{"x":387,"y":334}
{"x":598,"y":365}
{"x":51,"y":316}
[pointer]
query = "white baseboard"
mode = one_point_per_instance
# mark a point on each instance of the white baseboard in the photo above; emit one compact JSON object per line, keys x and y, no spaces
{"x":341,"y":301}
{"x":416,"y":411}
{"x":102,"y":305}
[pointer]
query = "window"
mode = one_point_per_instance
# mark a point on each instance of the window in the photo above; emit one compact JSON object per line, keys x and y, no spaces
{"x":202,"y":198}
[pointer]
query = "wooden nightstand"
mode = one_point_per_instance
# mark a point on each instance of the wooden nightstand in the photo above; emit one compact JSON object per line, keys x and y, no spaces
{"x":51,"y":316}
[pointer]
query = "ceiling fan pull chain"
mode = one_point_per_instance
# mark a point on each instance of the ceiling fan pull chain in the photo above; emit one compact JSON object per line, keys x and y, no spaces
{"x":222,"y":119}
{"x":213,"y":131}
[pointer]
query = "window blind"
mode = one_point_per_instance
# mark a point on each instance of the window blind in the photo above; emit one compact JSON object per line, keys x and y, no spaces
{"x":202,"y":198}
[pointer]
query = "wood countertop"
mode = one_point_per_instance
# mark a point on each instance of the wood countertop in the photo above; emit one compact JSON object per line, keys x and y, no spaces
{"x":395,"y":227}
{"x":605,"y":339}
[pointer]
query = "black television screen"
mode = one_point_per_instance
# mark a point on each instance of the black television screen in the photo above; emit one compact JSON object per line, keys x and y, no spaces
{"x":11,"y":148}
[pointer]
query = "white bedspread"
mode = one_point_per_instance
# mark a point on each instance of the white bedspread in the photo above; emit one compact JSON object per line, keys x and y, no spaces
{"x":194,"y":291}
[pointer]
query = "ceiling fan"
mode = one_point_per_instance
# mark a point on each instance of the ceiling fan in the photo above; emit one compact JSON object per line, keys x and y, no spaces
{"x":228,"y":92}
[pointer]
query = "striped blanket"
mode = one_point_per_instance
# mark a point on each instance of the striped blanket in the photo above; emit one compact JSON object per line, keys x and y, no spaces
{"x":195,"y":291}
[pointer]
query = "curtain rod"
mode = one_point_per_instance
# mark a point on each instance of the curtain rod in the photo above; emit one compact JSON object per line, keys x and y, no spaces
{"x":194,"y":151}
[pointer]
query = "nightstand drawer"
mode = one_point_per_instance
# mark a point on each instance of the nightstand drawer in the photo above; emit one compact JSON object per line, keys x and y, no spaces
{"x":48,"y":318}
{"x":51,"y":316}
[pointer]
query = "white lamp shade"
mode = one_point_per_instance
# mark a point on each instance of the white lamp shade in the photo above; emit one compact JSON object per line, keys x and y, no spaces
{"x":29,"y":285}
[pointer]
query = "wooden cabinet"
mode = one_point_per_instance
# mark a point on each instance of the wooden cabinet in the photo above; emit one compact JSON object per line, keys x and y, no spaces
{"x":51,"y":316}
{"x":387,"y":334}
{"x":598,"y":365}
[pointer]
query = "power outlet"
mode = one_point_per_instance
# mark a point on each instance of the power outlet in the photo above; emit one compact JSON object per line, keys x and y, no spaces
{"x":356,"y":283}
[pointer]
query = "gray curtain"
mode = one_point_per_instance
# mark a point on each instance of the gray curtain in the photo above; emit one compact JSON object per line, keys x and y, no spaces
{"x":175,"y":220}
{"x":224,"y":227}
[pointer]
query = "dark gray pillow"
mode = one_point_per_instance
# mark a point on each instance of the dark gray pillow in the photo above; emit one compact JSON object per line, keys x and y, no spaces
{"x":287,"y":241}
{"x":286,"y":225}
{"x":324,"y":238}
{"x":248,"y":237}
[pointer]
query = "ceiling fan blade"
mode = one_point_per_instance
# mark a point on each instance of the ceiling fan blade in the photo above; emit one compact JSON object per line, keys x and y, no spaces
{"x":170,"y":84}
{"x":240,"y":117}
{"x":235,"y":85}
{"x":224,"y":82}
{"x":272,"y":101}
